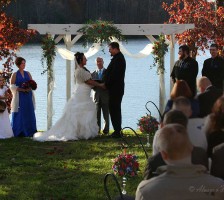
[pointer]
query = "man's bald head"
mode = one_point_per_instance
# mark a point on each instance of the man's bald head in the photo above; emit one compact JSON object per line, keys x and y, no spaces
{"x":203,"y":83}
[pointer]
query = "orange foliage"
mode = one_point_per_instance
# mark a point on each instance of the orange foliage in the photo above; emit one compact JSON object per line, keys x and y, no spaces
{"x":12,"y":37}
{"x":208,"y":20}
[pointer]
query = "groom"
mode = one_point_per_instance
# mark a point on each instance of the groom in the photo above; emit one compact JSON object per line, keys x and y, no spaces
{"x":114,"y":82}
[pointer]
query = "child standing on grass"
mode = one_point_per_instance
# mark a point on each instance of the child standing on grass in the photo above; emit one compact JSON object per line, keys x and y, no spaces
{"x":5,"y":127}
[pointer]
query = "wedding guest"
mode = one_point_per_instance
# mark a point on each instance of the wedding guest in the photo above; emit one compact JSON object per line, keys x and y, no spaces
{"x":181,"y":88}
{"x":195,"y":127}
{"x":215,"y":125}
{"x":207,"y":97}
{"x":179,"y":176}
{"x":101,"y":96}
{"x":186,"y":68}
{"x":23,"y":102}
{"x":199,"y":155}
{"x":213,"y":68}
{"x":5,"y":127}
{"x":114,"y":82}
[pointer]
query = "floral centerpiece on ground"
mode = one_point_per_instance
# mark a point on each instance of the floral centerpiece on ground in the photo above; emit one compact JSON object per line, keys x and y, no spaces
{"x":148,"y":125}
{"x":99,"y":31}
{"x":126,"y":165}
{"x":160,"y":48}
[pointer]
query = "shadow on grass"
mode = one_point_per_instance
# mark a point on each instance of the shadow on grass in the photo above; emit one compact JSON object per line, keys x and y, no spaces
{"x":58,"y":170}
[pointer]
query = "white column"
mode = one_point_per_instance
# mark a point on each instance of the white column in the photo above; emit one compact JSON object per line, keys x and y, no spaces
{"x":162,"y":91}
{"x":50,"y":87}
{"x":68,"y":44}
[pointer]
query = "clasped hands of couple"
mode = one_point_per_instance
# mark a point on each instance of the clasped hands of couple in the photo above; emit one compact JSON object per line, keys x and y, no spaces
{"x":102,"y":85}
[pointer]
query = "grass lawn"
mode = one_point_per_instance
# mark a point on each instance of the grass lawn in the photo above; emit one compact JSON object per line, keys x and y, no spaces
{"x":60,"y":170}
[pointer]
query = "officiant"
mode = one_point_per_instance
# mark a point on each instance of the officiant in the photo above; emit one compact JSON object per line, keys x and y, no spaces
{"x":101,"y":96}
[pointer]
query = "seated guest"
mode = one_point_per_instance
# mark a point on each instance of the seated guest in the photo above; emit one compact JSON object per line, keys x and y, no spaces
{"x":195,"y":127}
{"x":207,"y":97}
{"x":199,"y":155}
{"x":179,"y":177}
{"x":218,"y":161}
{"x":181,"y":88}
{"x":215,"y":125}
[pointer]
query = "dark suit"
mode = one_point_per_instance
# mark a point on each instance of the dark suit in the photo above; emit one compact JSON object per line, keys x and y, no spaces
{"x":187,"y":70}
{"x":198,"y":156}
{"x":213,"y":69}
{"x":114,"y":81}
{"x":101,"y":99}
{"x":207,"y":100}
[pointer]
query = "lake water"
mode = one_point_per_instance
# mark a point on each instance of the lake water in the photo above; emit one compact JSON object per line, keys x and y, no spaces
{"x":141,"y":82}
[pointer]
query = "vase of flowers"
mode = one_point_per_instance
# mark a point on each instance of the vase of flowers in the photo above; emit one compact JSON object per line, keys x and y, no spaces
{"x":125,"y":165}
{"x":148,"y":125}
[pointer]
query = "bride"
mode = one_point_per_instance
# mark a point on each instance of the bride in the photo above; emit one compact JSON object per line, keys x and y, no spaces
{"x":79,"y":120}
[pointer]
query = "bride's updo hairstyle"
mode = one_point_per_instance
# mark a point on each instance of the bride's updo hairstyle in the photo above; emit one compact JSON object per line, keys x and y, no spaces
{"x":79,"y":57}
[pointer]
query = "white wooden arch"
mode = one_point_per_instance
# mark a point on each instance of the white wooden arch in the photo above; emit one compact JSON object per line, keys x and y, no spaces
{"x":65,"y":32}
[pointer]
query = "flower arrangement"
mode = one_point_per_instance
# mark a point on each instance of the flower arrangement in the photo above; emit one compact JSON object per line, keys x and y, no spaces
{"x":48,"y":52}
{"x":30,"y":84}
{"x":148,"y":124}
{"x":160,"y":49}
{"x":2,"y":106}
{"x":99,"y":31}
{"x":126,"y":165}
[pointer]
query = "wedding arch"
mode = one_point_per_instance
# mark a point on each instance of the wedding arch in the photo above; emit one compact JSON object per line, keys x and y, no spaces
{"x":68,"y":33}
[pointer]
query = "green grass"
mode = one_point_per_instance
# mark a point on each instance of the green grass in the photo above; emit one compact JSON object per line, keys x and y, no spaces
{"x":60,"y":170}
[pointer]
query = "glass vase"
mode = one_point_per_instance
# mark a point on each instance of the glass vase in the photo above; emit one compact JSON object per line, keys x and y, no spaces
{"x":148,"y":143}
{"x":124,"y":182}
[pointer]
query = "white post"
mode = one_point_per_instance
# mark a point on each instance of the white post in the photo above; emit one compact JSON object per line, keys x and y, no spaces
{"x":172,"y":57}
{"x":68,"y":43}
{"x":50,"y":87}
{"x":162,"y":91}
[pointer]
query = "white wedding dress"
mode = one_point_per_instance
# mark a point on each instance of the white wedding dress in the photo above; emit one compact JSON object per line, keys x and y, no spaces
{"x":5,"y":126}
{"x":79,"y":120}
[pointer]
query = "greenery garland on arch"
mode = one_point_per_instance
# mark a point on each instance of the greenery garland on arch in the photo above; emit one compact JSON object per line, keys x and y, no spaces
{"x":48,"y":53}
{"x":160,"y":48}
{"x":99,"y":31}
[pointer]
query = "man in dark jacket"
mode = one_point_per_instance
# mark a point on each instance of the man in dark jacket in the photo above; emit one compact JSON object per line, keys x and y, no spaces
{"x":114,"y":82}
{"x":213,"y":68}
{"x":186,"y":68}
{"x":209,"y":94}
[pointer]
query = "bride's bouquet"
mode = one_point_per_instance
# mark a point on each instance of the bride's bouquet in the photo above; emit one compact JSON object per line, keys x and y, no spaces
{"x":2,"y":106}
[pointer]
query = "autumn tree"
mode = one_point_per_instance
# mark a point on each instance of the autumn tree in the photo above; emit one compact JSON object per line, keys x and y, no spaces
{"x":12,"y":37}
{"x":207,"y":16}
